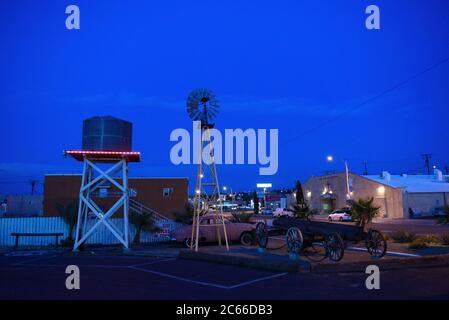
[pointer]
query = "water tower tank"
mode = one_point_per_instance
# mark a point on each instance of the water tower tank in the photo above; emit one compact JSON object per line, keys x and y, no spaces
{"x":107,"y":134}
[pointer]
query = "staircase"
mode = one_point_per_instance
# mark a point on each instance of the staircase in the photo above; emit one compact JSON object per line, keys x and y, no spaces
{"x":141,"y":209}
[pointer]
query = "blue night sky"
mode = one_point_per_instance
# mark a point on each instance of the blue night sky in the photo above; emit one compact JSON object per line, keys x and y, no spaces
{"x":303,"y":67}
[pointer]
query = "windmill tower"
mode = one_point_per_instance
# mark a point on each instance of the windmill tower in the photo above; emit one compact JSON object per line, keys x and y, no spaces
{"x":202,"y":106}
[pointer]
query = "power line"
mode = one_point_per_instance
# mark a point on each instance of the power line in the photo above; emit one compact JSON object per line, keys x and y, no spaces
{"x":363,"y":103}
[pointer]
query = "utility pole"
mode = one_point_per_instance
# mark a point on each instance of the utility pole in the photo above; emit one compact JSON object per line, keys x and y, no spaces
{"x":427,"y":157}
{"x":365,"y":173}
{"x":33,"y":186}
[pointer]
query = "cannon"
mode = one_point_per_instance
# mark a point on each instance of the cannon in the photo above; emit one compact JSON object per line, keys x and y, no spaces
{"x":302,"y":234}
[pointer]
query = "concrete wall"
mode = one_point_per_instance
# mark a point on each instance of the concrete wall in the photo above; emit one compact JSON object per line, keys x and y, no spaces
{"x":388,"y":199}
{"x":427,"y":203}
{"x":26,"y":205}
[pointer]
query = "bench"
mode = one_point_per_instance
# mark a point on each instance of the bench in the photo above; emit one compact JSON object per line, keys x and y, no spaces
{"x":46,"y":234}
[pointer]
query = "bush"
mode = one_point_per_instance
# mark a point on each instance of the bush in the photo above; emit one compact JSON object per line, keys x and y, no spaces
{"x":423,"y":242}
{"x":419,"y":243}
{"x":242,"y":217}
{"x":444,"y":219}
{"x":402,"y":236}
{"x":429,"y":239}
{"x":444,"y":239}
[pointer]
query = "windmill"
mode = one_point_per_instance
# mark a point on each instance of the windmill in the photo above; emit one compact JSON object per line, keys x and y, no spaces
{"x":203,"y":106}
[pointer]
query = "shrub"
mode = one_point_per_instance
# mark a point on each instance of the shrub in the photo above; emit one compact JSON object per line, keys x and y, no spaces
{"x":444,"y":239}
{"x":429,"y":239}
{"x":242,"y":217}
{"x":423,"y":242}
{"x":444,"y":219}
{"x":419,"y":243}
{"x":402,"y":236}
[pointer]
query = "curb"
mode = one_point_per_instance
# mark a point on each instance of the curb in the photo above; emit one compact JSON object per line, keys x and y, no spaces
{"x":390,"y":264}
{"x":286,"y":265}
{"x":280,"y":266}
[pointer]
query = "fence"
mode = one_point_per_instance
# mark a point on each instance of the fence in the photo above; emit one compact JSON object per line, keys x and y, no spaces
{"x":101,"y":235}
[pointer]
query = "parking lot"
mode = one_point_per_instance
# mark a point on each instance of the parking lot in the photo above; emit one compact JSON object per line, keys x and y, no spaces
{"x":41,"y":275}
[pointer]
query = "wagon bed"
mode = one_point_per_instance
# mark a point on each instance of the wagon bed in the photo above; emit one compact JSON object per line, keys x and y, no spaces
{"x":301,"y":234}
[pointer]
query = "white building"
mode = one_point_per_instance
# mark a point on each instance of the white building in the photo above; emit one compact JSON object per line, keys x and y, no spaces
{"x":398,"y":196}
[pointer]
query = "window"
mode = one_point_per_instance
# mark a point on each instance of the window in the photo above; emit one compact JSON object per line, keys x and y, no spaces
{"x":103,"y":192}
{"x":167,"y":192}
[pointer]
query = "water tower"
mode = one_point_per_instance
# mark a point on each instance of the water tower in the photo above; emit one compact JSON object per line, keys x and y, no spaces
{"x":105,"y":153}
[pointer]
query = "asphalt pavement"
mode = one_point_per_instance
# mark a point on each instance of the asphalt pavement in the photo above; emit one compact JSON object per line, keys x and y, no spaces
{"x":41,"y":275}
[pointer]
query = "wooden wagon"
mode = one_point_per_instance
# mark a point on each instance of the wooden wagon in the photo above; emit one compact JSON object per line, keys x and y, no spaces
{"x":302,"y":234}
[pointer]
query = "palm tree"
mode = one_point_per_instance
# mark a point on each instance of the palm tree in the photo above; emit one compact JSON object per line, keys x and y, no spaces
{"x":186,"y":216}
{"x":143,"y":222}
{"x":70,"y":215}
{"x":363,"y":211}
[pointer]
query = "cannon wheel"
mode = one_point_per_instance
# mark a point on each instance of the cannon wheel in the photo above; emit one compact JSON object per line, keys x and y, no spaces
{"x":261,"y":234}
{"x":375,"y":243}
{"x":335,"y":247}
{"x":294,"y":240}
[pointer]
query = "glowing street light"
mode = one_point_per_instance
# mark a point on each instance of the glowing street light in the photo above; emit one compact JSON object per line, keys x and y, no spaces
{"x":349,"y":192}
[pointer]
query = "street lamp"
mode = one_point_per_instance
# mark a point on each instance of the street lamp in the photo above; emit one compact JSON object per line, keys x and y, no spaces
{"x":349,"y":193}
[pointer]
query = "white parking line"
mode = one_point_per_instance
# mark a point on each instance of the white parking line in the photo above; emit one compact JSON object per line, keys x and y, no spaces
{"x":33,"y":260}
{"x":138,"y":267}
{"x":152,"y":262}
{"x":392,"y":253}
{"x":162,"y":274}
{"x":257,"y":280}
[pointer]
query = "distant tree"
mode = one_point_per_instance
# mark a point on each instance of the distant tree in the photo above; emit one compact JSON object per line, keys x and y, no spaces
{"x":256,"y":202}
{"x":70,"y":215}
{"x":246,"y":197}
{"x":363,"y":211}
{"x":299,"y":194}
{"x":302,"y":211}
{"x":142,"y":222}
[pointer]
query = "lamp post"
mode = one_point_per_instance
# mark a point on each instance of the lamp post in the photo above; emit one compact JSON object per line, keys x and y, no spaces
{"x":345,"y":162}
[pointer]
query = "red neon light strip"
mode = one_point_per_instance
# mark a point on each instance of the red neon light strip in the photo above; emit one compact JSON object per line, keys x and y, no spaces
{"x":102,"y":152}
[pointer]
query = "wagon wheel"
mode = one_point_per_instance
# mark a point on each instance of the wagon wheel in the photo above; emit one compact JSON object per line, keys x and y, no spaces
{"x":261,"y":234}
{"x":375,"y":243}
{"x":335,"y":247}
{"x":294,"y":240}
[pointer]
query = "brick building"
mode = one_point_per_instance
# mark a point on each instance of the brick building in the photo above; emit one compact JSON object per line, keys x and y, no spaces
{"x":163,"y":195}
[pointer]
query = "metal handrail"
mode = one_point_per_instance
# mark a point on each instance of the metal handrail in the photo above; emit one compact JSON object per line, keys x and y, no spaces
{"x":141,"y":208}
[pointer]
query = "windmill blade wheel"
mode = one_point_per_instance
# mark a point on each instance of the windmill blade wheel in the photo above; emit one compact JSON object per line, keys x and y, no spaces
{"x":335,"y":247}
{"x":262,"y":234}
{"x":294,"y":240}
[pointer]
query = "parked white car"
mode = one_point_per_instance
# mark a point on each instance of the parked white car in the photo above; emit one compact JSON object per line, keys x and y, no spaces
{"x":281,"y":212}
{"x":339,"y":215}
